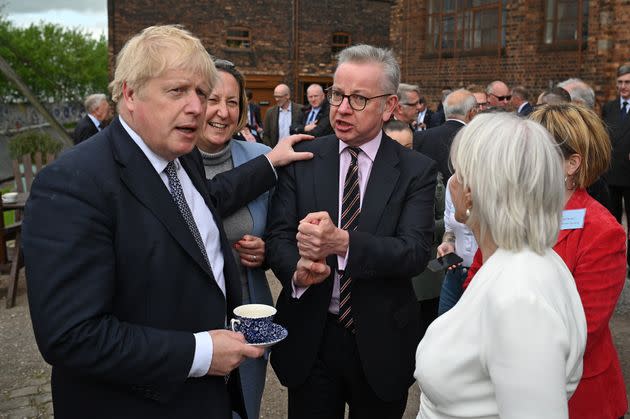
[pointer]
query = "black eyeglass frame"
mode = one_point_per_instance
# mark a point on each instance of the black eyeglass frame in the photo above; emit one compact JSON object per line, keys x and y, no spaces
{"x":329,"y":93}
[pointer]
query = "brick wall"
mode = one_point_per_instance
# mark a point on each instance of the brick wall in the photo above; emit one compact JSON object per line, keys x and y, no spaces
{"x":272,"y":26}
{"x":524,"y":59}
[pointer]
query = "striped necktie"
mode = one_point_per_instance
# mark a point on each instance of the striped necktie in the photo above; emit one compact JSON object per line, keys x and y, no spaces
{"x":350,"y":211}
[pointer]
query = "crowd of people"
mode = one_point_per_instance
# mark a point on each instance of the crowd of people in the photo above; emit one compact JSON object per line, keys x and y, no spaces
{"x":141,"y":240}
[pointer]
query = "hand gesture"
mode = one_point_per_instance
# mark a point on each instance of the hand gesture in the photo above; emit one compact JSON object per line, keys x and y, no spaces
{"x":318,"y":237}
{"x":283,"y":154}
{"x":251,"y":250}
{"x":308,"y":272}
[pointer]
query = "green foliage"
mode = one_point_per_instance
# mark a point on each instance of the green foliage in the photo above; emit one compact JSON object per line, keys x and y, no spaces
{"x":30,"y":142}
{"x":56,"y":63}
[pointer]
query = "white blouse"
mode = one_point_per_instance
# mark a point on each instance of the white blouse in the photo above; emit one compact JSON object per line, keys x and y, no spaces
{"x":511,"y":347}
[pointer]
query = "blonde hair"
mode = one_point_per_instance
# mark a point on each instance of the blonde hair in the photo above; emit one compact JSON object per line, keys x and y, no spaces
{"x":514,"y":171}
{"x":155,"y":50}
{"x":578,"y":129}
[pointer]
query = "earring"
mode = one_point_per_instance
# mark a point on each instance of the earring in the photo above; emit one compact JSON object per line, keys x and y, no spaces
{"x":571,"y":185}
{"x":467,"y":212}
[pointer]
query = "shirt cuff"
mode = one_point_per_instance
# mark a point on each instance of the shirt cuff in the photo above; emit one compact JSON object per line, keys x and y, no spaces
{"x":272,"y":168}
{"x":203,"y":355}
{"x":297,"y":292}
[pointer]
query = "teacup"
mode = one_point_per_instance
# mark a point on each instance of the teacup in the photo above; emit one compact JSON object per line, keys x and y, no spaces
{"x":254,"y":321}
{"x":9,"y":197}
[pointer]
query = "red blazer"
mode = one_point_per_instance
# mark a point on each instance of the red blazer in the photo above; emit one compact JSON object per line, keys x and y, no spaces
{"x":596,"y":256}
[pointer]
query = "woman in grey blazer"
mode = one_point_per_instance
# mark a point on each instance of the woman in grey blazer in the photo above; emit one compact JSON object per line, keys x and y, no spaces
{"x":225,"y":116}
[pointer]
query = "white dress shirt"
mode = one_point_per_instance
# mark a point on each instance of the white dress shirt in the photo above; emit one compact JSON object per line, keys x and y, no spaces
{"x":512,"y":346}
{"x":209,"y":235}
{"x":284,"y":122}
{"x":465,"y":243}
{"x":95,"y":121}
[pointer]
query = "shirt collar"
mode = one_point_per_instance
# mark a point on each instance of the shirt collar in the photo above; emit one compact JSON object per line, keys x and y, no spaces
{"x":621,"y":100}
{"x":283,"y":110}
{"x":158,"y":163}
{"x":370,"y":148}
{"x":95,"y":121}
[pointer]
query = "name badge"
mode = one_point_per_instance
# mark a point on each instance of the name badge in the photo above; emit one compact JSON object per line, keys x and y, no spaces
{"x":572,"y":219}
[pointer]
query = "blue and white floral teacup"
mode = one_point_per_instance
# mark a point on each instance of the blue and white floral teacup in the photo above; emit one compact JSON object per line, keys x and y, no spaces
{"x":254,"y":321}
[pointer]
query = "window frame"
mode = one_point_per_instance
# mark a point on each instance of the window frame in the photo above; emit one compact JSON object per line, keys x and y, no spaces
{"x":245,"y":42}
{"x":464,"y":35}
{"x":581,"y":26}
{"x":336,"y":47}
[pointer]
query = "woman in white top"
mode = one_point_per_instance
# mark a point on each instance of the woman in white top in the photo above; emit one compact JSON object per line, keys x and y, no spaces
{"x":512,"y":347}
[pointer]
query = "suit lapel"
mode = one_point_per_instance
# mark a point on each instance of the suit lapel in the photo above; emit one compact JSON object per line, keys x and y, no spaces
{"x":326,"y":174}
{"x":383,"y":179}
{"x":145,"y":184}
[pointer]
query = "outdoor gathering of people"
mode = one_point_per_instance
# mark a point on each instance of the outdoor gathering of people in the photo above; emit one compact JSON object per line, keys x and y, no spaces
{"x":479,"y":257}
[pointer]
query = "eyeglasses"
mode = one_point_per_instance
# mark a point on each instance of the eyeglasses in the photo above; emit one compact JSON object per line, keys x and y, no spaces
{"x":413,"y":105}
{"x":356,"y":102}
{"x":223,"y":63}
{"x":482,"y":104}
{"x":502,"y":98}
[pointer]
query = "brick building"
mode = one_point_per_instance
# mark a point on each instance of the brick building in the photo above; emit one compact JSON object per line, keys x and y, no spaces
{"x":271,"y":41}
{"x":536,"y":43}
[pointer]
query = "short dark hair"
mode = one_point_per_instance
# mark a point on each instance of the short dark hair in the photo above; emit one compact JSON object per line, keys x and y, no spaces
{"x":623,"y":69}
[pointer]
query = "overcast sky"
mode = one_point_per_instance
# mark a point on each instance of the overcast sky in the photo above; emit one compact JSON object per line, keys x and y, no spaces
{"x":90,"y":15}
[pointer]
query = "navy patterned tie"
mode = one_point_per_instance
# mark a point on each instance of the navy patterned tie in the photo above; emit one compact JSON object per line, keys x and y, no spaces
{"x":180,"y":201}
{"x":350,"y":211}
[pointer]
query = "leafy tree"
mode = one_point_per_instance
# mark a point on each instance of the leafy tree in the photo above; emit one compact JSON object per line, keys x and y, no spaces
{"x":56,"y":63}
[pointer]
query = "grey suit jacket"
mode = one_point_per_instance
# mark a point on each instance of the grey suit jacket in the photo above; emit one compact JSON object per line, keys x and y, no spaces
{"x":270,"y":132}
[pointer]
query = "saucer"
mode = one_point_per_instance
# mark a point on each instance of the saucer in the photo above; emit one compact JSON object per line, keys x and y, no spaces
{"x":273,"y":335}
{"x":9,"y":201}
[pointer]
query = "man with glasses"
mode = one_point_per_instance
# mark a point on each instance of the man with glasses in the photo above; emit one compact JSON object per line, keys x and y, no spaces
{"x":498,"y":94}
{"x":346,"y":232}
{"x":278,"y":119}
{"x":314,"y":119}
{"x":616,"y":115}
{"x":408,"y":104}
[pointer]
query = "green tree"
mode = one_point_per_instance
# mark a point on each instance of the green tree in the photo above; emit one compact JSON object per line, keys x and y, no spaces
{"x":56,"y":63}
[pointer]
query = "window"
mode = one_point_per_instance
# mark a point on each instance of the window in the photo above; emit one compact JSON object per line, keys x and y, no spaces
{"x":566,"y":22}
{"x":238,"y":38}
{"x":340,"y":40}
{"x":464,"y":25}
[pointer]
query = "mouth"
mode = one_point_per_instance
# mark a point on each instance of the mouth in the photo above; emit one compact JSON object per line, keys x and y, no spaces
{"x":217,"y":125}
{"x":187,"y":129}
{"x":342,"y":125}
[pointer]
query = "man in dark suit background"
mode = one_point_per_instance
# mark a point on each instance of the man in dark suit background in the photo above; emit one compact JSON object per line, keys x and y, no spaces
{"x":315,"y":119}
{"x":615,"y":115}
{"x":520,"y":101}
{"x":254,"y":121}
{"x":278,"y":119}
{"x":435,"y":142}
{"x":362,"y":210}
{"x":131,"y":277}
{"x":425,"y":115}
{"x":97,"y":108}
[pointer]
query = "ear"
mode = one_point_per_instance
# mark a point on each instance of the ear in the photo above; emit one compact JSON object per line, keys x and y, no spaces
{"x":572,"y":164}
{"x":130,"y":96}
{"x":390,"y":104}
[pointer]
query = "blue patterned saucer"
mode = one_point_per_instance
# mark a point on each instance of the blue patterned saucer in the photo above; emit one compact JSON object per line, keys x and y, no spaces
{"x":272,"y":335}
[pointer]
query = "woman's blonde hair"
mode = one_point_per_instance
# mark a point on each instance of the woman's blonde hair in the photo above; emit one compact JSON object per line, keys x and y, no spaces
{"x":155,"y":50}
{"x":514,"y":171}
{"x":578,"y":129}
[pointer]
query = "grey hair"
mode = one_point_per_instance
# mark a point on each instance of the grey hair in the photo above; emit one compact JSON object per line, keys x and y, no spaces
{"x":363,"y":53}
{"x":580,"y":91}
{"x":514,"y":171}
{"x":92,"y":101}
{"x":492,"y":85}
{"x":404,"y":88}
{"x":458,"y":103}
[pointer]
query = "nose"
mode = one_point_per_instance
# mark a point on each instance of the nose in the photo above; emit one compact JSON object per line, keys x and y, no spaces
{"x":196,"y":104}
{"x":344,"y":106}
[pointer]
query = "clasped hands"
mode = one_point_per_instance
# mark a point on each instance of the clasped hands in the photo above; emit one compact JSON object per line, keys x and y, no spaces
{"x":317,"y":238}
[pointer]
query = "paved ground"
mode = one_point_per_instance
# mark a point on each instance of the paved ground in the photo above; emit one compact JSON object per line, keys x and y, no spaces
{"x":25,"y":377}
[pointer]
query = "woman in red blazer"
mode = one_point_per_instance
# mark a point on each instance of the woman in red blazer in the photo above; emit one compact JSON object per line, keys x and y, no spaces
{"x":595,"y":253}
